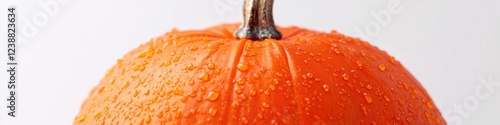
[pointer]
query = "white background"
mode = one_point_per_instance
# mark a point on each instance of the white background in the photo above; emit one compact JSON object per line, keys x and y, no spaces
{"x":450,"y":46}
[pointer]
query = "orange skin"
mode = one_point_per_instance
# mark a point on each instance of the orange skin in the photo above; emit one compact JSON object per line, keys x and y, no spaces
{"x":210,"y":77}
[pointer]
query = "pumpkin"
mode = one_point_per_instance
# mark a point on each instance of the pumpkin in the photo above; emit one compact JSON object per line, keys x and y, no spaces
{"x":262,"y":74}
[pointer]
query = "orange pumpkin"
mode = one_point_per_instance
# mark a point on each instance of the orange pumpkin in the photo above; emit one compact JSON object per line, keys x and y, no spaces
{"x":297,"y":76}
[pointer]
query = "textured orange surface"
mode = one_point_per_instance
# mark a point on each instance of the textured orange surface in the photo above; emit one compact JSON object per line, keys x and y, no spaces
{"x":210,"y":77}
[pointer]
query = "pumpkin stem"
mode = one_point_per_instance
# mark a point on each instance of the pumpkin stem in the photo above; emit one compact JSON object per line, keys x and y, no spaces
{"x":258,"y":23}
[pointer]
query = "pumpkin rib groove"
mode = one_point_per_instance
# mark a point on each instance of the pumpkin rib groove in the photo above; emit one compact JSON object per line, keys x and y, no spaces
{"x":229,"y":92}
{"x":293,"y":75}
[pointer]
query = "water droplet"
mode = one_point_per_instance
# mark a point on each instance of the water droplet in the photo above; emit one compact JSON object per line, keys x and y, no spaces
{"x":311,"y":54}
{"x":345,"y":76}
{"x":113,"y":81}
{"x":243,"y":97}
{"x":369,"y":86}
{"x":266,"y":105}
{"x":145,"y":62}
{"x":326,"y":88}
{"x":242,"y":67}
{"x":365,"y":110}
{"x":148,"y":119}
{"x":260,"y":116}
{"x":408,"y":120}
{"x":272,"y":87}
{"x":109,"y":72}
{"x":288,"y":83}
{"x":136,"y":67}
{"x":114,"y":98}
{"x":177,"y":91}
{"x":438,"y":120}
{"x":213,"y":112}
{"x":159,"y":51}
{"x":143,"y":67}
{"x":167,"y":108}
{"x":309,"y":75}
{"x":168,"y":63}
{"x":238,"y":90}
{"x":253,"y":92}
{"x":184,"y":98}
{"x":256,"y":75}
{"x":192,"y":94}
{"x":359,"y":63}
{"x":142,"y":81}
{"x":211,"y":66}
{"x":368,"y":98}
{"x":190,"y":67}
{"x":136,"y":93}
{"x":351,"y":49}
{"x":198,"y":99}
{"x":212,"y":96}
{"x":302,"y":40}
{"x":397,"y":117}
{"x":392,"y":60}
{"x":276,"y":81}
{"x":160,"y":114}
{"x":317,"y":79}
{"x":101,"y":89}
{"x":428,"y":117}
{"x":98,"y":115}
{"x":145,"y":53}
{"x":81,"y":118}
{"x":308,"y":101}
{"x":240,"y":81}
{"x":429,"y":105}
{"x":279,"y":74}
{"x":176,"y":58}
{"x":363,"y":53}
{"x":245,"y":120}
{"x":337,"y":51}
{"x":381,"y":67}
{"x":415,"y":90}
{"x":387,"y":98}
{"x":193,"y":48}
{"x":203,"y":76}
